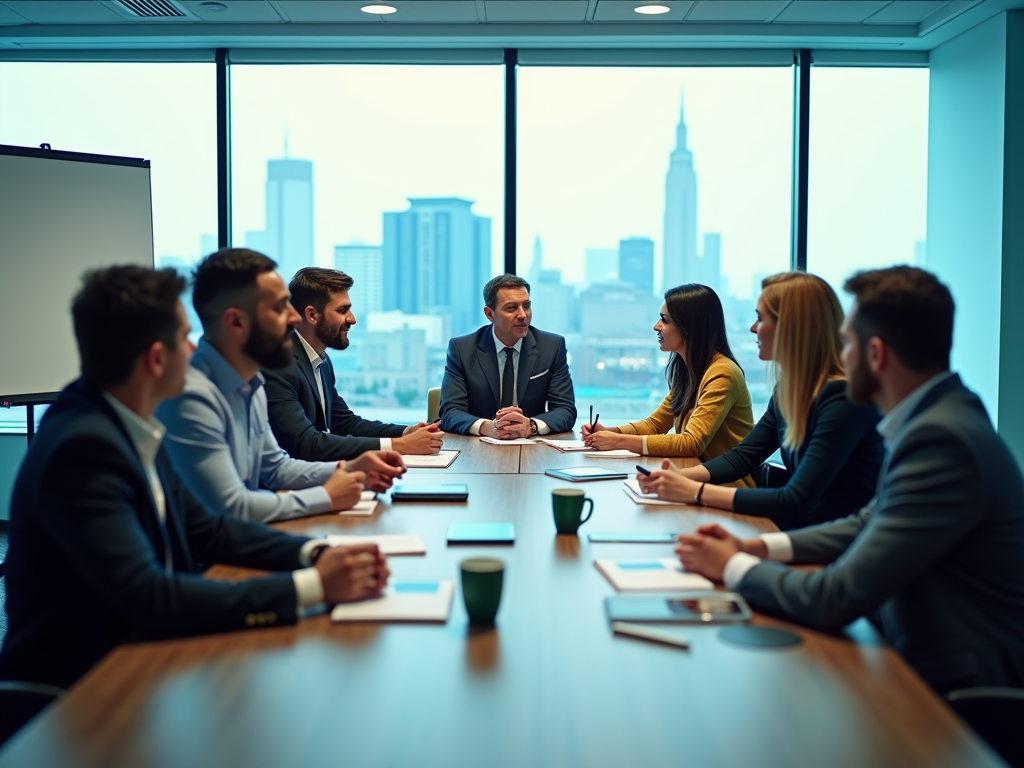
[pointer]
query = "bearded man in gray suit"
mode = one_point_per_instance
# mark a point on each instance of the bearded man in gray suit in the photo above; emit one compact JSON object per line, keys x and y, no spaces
{"x":934,"y":559}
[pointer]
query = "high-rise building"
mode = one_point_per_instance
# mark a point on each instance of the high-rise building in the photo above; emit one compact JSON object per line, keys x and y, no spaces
{"x":636,"y":263}
{"x":365,"y":265}
{"x":437,"y":257}
{"x":711,"y":262}
{"x":537,"y":265}
{"x":288,"y":237}
{"x":680,"y":244}
{"x":601,"y":265}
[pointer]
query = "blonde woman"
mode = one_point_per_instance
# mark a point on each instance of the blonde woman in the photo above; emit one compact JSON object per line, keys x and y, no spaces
{"x":828,"y":444}
{"x":708,"y":403}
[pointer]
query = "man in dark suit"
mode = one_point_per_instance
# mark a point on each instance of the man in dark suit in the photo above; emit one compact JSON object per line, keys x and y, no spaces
{"x":106,"y":543}
{"x":310,"y":419}
{"x":935,"y":558}
{"x":507,"y":380}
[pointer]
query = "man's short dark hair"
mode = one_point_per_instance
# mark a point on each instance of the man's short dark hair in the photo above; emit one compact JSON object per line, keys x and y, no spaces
{"x":225,"y":279}
{"x":119,"y":313}
{"x":502,"y":281}
{"x":910,"y":310}
{"x":313,"y":286}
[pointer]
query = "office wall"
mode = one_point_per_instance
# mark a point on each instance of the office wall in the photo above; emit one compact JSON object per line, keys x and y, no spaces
{"x":975,"y":201}
{"x":12,"y":451}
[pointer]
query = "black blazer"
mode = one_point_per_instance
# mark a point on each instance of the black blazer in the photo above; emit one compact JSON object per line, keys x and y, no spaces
{"x":86,"y":566}
{"x":300,"y":424}
{"x":470,"y":388}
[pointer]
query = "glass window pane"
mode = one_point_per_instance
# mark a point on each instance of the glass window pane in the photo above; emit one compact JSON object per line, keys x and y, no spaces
{"x":624,"y":170}
{"x":393,"y":174}
{"x":165,"y":113}
{"x":868,"y":171}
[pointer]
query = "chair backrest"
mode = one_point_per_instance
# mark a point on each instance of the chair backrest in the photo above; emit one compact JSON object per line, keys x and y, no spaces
{"x":433,"y":403}
{"x":20,"y":702}
{"x":773,"y":475}
{"x":996,"y":714}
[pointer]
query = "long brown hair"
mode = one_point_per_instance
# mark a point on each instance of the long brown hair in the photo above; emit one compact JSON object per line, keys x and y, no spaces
{"x":807,"y":345}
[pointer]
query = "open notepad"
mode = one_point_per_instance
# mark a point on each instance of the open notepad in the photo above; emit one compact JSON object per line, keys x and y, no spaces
{"x":632,"y":489}
{"x":616,"y":454}
{"x":663,"y":575}
{"x":387,"y":543}
{"x":566,"y":446}
{"x":403,"y":600}
{"x":365,"y":507}
{"x":439,"y":460}
{"x":515,"y":441}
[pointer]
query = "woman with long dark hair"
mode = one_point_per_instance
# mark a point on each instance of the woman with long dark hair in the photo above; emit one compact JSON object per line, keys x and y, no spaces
{"x":708,"y":403}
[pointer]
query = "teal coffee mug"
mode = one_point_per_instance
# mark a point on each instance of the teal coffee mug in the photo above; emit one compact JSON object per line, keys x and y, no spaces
{"x":482,"y":579}
{"x":567,"y":505}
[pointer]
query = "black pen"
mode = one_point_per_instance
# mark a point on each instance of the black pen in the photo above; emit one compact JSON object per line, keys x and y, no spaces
{"x":591,"y":419}
{"x":643,"y":470}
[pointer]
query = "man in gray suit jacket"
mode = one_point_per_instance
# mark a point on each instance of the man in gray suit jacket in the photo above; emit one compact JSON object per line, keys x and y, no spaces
{"x":935,"y":558}
{"x":507,"y":380}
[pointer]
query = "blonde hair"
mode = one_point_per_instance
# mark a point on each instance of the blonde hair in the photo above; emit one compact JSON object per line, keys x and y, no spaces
{"x":807,"y":345}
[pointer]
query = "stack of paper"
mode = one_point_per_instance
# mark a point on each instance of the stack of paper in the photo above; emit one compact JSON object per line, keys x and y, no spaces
{"x":514,"y":441}
{"x":363,"y":508}
{"x":439,"y":460}
{"x":618,"y":454}
{"x":403,"y":600}
{"x":566,"y":445}
{"x":632,"y":489}
{"x":387,"y":543}
{"x":650,"y":575}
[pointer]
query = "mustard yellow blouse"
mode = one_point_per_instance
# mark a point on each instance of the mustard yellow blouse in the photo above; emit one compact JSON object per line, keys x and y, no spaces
{"x":721,"y":418}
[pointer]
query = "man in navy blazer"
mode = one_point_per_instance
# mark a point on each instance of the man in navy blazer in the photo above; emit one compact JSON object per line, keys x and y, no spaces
{"x":310,"y":419}
{"x":935,"y":558}
{"x":107,"y":545}
{"x":507,"y":380}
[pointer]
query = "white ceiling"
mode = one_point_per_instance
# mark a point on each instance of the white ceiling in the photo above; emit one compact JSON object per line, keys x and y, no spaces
{"x":844,"y":24}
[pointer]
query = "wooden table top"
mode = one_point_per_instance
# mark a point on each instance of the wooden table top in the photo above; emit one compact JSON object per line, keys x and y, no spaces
{"x":550,"y":685}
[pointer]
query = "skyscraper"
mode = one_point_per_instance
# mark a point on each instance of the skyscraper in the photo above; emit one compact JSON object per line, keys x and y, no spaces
{"x":437,"y":256}
{"x":680,"y":243}
{"x":711,"y":262}
{"x":365,"y":265}
{"x":288,"y":237}
{"x":601,"y":265}
{"x":636,"y":263}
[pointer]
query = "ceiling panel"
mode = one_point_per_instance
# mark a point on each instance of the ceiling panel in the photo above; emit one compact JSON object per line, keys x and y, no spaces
{"x":7,"y":16}
{"x":240,"y":11}
{"x":526,"y":11}
{"x":830,"y":11}
{"x":432,"y":12}
{"x":326,"y":12}
{"x":735,"y":10}
{"x":623,"y":10}
{"x":906,"y":12}
{"x":64,"y":11}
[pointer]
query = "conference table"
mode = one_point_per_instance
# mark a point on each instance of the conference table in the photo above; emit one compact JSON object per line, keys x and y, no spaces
{"x":548,"y":685}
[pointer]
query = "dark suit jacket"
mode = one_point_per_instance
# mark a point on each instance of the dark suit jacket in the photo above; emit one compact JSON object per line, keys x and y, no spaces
{"x":937,"y":553}
{"x":86,"y":567}
{"x":471,"y":388}
{"x":300,"y":424}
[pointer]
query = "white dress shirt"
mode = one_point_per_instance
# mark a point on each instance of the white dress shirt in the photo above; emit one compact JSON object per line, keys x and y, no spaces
{"x":499,"y":346}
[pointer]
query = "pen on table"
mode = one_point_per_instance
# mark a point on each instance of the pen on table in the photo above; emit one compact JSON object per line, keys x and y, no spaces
{"x":648,"y":633}
{"x":591,"y":418}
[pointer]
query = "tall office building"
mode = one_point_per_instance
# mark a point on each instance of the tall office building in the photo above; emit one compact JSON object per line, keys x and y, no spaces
{"x":537,"y":264}
{"x":680,"y":243}
{"x":437,"y":256}
{"x":711,"y":262}
{"x":288,"y":237}
{"x":601,"y":265}
{"x":365,"y":265}
{"x":636,"y":263}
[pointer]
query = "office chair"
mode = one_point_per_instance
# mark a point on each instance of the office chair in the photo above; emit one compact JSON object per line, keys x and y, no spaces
{"x":20,"y":702}
{"x":995,"y":714}
{"x":433,"y":403}
{"x":773,"y":475}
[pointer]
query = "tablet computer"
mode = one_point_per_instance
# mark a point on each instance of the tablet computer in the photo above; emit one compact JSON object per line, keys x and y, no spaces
{"x":481,"y":533}
{"x":582,"y":474}
{"x":443,"y":492}
{"x":705,"y":607}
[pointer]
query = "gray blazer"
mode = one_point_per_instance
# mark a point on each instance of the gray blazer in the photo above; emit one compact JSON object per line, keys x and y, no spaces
{"x":937,"y":555}
{"x":470,"y":388}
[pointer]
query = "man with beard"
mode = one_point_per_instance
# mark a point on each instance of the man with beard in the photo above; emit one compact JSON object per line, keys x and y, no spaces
{"x":218,"y":434}
{"x":934,"y":559}
{"x":308,"y":416}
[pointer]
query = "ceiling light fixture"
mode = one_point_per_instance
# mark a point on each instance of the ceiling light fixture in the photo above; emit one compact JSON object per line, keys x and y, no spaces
{"x":382,"y":8}
{"x":652,"y":9}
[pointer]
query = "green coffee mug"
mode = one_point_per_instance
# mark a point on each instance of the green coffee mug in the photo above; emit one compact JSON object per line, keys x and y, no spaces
{"x":567,"y":505}
{"x":482,"y":579}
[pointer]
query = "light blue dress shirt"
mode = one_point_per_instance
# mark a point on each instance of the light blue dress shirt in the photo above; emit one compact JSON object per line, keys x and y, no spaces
{"x":219,"y":439}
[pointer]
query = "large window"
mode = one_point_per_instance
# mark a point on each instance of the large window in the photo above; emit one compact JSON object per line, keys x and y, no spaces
{"x":868,"y":171}
{"x":165,"y":113}
{"x":393,"y":174}
{"x":635,"y":180}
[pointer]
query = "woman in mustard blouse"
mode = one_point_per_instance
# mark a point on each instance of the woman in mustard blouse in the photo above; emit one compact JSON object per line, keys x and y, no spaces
{"x":708,"y":402}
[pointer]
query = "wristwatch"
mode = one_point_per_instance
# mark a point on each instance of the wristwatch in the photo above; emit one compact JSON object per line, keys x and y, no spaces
{"x":533,"y":428}
{"x":315,"y":552}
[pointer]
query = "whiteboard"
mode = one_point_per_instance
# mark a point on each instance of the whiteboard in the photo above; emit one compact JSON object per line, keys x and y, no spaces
{"x":61,"y":214}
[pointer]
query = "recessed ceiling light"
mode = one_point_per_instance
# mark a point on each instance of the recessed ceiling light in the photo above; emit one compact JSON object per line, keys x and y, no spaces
{"x":211,"y":6}
{"x":378,"y":8}
{"x":652,"y":9}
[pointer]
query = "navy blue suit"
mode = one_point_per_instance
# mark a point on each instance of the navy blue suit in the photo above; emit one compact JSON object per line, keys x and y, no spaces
{"x":86,"y":568}
{"x":471,"y":388}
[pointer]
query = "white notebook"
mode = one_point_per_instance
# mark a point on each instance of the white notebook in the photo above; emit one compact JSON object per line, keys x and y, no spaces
{"x":403,"y":600}
{"x":365,"y":507}
{"x":632,"y":489}
{"x":515,"y":441}
{"x":663,"y":575}
{"x":616,"y":454}
{"x":439,"y":460}
{"x":566,"y":445}
{"x":387,"y":543}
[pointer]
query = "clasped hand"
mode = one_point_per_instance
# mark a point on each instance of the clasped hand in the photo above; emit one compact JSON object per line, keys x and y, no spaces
{"x":510,"y":423}
{"x":707,"y":550}
{"x":380,"y":467}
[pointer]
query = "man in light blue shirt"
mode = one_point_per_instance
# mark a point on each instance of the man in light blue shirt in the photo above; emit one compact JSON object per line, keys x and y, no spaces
{"x":218,"y":434}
